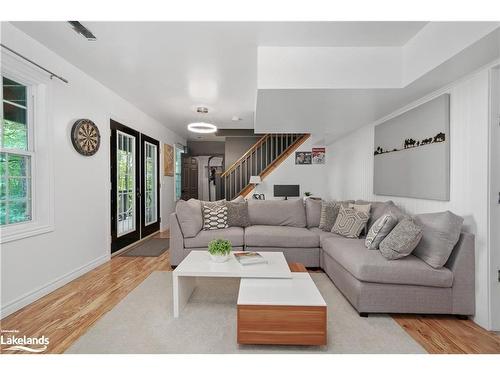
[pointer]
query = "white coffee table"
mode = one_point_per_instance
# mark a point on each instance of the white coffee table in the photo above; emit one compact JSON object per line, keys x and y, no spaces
{"x":198,"y":264}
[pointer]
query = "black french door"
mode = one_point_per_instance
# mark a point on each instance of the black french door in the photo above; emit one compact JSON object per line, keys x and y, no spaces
{"x":135,"y":198}
{"x":150,"y":185}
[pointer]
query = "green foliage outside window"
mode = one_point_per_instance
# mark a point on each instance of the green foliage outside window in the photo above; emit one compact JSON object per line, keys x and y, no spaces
{"x":15,"y":169}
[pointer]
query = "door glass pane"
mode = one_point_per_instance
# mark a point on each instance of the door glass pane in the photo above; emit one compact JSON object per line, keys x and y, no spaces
{"x":178,"y":169}
{"x":126,"y":210}
{"x":150,"y":195}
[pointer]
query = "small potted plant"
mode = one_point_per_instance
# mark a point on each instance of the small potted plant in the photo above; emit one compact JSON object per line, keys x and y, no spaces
{"x":219,"y":250}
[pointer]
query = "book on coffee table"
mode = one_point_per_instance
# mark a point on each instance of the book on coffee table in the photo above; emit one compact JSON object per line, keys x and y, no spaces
{"x":249,"y":257}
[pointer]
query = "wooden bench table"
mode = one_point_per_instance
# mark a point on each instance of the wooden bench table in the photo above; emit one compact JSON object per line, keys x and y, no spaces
{"x":282,"y":311}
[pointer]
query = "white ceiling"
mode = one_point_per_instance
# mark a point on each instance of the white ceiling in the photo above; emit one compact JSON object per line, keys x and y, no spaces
{"x":168,"y":68}
{"x":333,"y":113}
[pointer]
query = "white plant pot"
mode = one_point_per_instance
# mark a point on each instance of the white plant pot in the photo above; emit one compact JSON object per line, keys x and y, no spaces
{"x":219,"y":258}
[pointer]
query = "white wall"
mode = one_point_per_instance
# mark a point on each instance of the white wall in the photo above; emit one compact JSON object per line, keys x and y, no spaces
{"x":328,"y":67}
{"x":311,"y":178}
{"x":494,"y":223}
{"x":350,"y":172}
{"x":438,"y":42}
{"x":34,"y":266}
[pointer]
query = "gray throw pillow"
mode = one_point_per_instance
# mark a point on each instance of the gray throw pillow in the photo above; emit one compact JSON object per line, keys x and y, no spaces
{"x":402,"y":240}
{"x":363,"y":208}
{"x":440,"y":235}
{"x":214,"y":215}
{"x":190,"y":217}
{"x":350,"y":222}
{"x":313,"y":212}
{"x":380,"y":208}
{"x":379,"y":230}
{"x":237,"y":214}
{"x":329,"y":213}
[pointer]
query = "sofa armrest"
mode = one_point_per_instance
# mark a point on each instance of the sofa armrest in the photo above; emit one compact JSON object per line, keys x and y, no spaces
{"x":462,"y":264}
{"x":177,"y":253}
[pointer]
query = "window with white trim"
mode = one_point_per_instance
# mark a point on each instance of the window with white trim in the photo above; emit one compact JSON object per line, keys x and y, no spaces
{"x":15,"y":153}
{"x":26,"y":171}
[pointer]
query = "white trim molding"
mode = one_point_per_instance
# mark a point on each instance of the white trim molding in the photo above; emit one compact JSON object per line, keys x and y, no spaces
{"x":34,"y":295}
{"x":42,"y":171}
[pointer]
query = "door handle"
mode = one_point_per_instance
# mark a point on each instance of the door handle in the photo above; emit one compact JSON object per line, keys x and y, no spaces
{"x":138,"y":193}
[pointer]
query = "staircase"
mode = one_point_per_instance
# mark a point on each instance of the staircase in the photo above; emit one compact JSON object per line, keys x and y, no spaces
{"x":260,"y":160}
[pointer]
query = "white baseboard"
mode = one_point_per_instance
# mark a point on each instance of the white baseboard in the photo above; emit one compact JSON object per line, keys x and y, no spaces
{"x":30,"y":297}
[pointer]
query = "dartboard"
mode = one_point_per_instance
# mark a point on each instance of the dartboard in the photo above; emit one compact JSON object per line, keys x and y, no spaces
{"x":85,"y":137}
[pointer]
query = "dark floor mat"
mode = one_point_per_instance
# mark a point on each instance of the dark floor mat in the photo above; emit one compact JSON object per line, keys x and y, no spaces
{"x":151,"y":248}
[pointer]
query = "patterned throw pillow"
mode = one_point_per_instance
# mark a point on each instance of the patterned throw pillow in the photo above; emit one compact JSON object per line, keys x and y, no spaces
{"x":379,"y":230}
{"x":363,"y":208}
{"x":350,"y":222}
{"x":402,"y":240}
{"x":329,"y":213}
{"x":237,"y":214}
{"x":214,"y":215}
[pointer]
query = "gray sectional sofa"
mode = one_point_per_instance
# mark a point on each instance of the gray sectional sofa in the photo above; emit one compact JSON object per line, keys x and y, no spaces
{"x":370,"y":282}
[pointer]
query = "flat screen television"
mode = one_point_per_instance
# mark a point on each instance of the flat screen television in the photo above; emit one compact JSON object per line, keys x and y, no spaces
{"x":286,"y":191}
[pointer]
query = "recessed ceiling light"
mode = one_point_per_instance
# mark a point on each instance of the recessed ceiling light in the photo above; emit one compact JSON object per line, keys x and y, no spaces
{"x":202,"y":127}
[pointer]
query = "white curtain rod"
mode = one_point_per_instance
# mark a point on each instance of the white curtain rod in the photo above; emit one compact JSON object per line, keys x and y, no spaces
{"x":52,"y":74}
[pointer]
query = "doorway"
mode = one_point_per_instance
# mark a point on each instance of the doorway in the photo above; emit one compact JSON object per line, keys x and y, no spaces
{"x":189,"y":178}
{"x":135,"y":199}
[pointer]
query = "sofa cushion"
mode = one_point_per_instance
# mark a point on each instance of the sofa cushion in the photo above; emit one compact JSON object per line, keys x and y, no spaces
{"x":189,"y":216}
{"x":329,"y":213}
{"x":237,"y":214}
{"x":371,"y":266}
{"x":402,"y":240}
{"x":380,"y":208}
{"x":313,"y":212}
{"x":214,"y":215}
{"x":233,"y":234}
{"x":323,"y":235}
{"x":350,"y":222}
{"x":280,"y":236}
{"x":441,"y":231}
{"x":289,"y":212}
{"x":380,"y":229}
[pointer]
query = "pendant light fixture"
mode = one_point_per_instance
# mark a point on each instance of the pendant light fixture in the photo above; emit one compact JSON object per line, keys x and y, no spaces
{"x":202,"y":126}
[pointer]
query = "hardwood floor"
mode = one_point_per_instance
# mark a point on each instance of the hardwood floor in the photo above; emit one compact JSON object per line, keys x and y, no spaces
{"x":449,"y":335}
{"x":68,"y":312}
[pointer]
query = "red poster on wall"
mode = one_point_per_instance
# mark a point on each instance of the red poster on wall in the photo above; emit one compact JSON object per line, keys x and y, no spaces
{"x":318,"y":155}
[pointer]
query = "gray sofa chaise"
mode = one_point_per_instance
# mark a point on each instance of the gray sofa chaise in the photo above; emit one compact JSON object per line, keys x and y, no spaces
{"x":370,"y":282}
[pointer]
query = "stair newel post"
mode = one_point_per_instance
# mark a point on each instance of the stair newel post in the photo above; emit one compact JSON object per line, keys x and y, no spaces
{"x":251,"y":164}
{"x":255,"y":162}
{"x":241,"y":177}
{"x":225,"y":187}
{"x":267,"y":151}
{"x":261,"y":158}
{"x":272,"y":147}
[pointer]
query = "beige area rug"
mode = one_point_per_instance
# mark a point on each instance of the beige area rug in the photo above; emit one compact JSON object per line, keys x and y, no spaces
{"x":143,"y":323}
